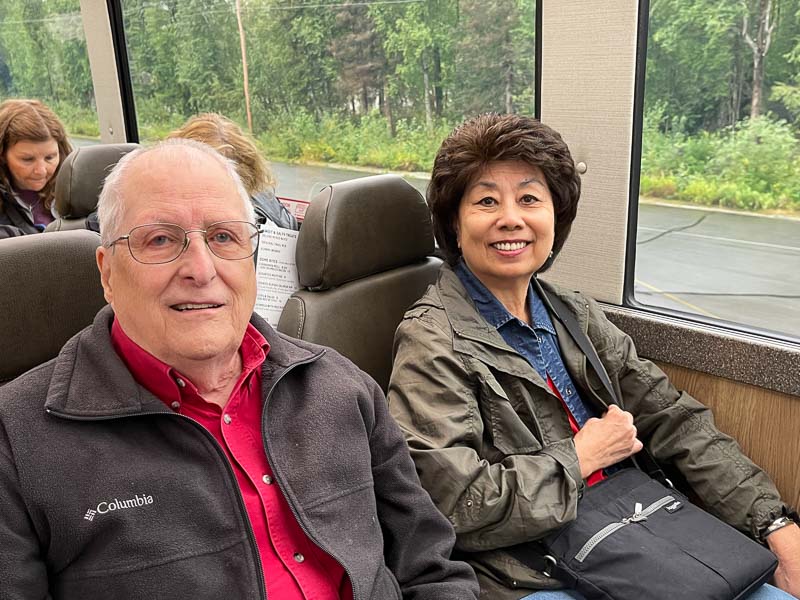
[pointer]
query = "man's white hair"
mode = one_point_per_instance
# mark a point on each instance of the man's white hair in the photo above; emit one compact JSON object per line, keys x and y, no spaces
{"x":109,"y":205}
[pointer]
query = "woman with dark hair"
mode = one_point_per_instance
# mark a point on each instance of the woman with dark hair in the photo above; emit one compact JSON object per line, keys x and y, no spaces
{"x":506,"y":423}
{"x":33,"y":144}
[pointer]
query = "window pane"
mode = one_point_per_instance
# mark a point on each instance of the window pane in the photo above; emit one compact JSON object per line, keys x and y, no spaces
{"x":719,"y":209}
{"x":372,"y":86}
{"x":43,"y":56}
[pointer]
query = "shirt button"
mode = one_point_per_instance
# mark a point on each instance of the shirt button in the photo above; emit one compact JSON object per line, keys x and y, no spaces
{"x":180,"y":382}
{"x":267,"y":479}
{"x":569,"y":391}
{"x":176,"y":405}
{"x":299,"y":557}
{"x":227,"y":418}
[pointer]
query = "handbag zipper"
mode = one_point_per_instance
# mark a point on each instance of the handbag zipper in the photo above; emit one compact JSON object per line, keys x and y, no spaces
{"x":638,"y":515}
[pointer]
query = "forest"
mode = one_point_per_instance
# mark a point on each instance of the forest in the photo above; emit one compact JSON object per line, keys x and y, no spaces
{"x":380,"y":83}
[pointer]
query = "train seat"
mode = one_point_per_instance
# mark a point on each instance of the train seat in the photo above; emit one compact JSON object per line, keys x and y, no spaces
{"x":80,"y":180}
{"x":363,"y":257}
{"x":51,"y":290}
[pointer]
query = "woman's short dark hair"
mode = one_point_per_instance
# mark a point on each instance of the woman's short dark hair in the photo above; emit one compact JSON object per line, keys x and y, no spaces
{"x":491,"y":138}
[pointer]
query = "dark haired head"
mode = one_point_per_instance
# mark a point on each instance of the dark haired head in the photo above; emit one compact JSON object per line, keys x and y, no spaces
{"x":491,"y":138}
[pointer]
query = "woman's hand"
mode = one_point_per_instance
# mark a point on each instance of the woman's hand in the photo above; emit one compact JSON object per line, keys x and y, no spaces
{"x":603,"y":442}
{"x":785,"y":543}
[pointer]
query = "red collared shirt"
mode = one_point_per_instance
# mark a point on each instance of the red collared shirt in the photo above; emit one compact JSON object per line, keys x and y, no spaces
{"x":294,"y":567}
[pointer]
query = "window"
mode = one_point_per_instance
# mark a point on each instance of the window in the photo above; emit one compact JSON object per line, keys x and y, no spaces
{"x":719,"y":211}
{"x":368,"y":85}
{"x":43,"y":56}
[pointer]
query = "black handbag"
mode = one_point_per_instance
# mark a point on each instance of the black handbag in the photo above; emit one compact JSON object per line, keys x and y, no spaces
{"x":637,"y":538}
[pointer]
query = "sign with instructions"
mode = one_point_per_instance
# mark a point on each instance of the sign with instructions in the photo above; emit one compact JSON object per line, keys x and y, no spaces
{"x":276,"y":271}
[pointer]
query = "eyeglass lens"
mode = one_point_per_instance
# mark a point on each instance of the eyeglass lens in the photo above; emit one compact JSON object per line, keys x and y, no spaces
{"x":164,"y":242}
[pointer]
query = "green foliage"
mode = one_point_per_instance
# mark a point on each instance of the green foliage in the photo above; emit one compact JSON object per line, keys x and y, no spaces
{"x":658,"y":186}
{"x":79,"y":121}
{"x":380,"y":84}
{"x":366,"y":141}
{"x":754,"y":165}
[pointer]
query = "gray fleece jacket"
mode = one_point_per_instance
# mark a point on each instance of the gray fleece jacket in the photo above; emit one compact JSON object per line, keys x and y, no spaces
{"x":106,"y":493}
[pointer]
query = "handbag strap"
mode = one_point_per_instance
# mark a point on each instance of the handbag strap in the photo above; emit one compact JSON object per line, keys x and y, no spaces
{"x":643,"y":460}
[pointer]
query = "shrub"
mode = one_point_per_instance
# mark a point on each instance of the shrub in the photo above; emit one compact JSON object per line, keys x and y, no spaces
{"x":754,"y":165}
{"x":701,"y":191}
{"x":657,"y":186}
{"x":365,"y":141}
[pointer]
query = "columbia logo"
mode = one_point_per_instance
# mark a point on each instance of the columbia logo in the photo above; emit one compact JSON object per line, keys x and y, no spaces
{"x":113,"y":505}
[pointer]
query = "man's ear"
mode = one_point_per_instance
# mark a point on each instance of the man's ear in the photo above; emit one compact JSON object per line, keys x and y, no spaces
{"x":103,"y":257}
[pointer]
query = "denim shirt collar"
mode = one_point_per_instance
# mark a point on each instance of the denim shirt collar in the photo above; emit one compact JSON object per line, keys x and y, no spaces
{"x":493,"y":310}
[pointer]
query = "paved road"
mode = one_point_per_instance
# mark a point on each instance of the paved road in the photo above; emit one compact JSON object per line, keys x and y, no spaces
{"x":737,"y":267}
{"x":302,"y":182}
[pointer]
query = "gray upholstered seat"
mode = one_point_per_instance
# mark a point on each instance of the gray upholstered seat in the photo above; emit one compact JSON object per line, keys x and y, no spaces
{"x":363,"y":257}
{"x":50,"y":290}
{"x":80,"y":180}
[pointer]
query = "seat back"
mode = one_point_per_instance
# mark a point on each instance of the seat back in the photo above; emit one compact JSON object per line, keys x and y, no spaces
{"x":363,"y":257}
{"x":50,"y":290}
{"x":80,"y":180}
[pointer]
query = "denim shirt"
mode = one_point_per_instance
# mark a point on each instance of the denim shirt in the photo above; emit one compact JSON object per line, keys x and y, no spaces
{"x":537,"y":344}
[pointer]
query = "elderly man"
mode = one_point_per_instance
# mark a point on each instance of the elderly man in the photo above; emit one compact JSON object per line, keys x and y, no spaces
{"x":181,"y":448}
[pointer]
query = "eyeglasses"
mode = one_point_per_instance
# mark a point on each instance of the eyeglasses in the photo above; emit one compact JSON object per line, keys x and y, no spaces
{"x":157,"y":243}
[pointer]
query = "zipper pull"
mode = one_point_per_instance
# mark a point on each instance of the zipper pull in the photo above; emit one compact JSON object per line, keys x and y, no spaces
{"x":637,"y":514}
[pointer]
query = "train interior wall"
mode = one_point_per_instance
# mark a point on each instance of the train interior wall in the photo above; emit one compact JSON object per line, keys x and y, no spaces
{"x":764,"y":422}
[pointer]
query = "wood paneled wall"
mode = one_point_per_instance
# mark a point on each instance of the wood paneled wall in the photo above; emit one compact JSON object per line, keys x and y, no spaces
{"x":765,"y":423}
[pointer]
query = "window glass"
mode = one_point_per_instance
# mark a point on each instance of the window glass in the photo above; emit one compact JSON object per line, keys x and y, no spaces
{"x":719,"y":210}
{"x":43,"y":56}
{"x":368,"y":86}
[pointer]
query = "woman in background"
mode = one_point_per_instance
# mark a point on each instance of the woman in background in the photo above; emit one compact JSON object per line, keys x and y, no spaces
{"x":33,"y":144}
{"x":228,"y":139}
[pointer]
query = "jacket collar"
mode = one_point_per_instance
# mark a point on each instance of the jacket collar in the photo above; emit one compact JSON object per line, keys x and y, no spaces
{"x":90,"y":381}
{"x":477,"y":338}
{"x":473,"y":335}
{"x":494,"y":311}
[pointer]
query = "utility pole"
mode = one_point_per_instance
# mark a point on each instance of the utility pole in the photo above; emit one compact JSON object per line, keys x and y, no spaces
{"x":243,"y":45}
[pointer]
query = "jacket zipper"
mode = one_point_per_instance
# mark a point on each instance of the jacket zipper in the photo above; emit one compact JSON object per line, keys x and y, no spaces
{"x":250,"y":535}
{"x":637,"y":516}
{"x":279,"y":477}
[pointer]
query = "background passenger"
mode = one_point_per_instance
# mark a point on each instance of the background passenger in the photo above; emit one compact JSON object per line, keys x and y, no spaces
{"x":33,"y":144}
{"x":498,"y":409}
{"x":229,"y":140}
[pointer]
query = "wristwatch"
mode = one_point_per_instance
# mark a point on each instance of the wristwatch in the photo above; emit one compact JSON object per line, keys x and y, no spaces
{"x":779,"y":523}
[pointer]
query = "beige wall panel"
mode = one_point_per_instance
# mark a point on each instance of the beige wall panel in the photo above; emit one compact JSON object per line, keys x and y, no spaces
{"x":100,"y":48}
{"x":588,"y":68}
{"x":765,"y":423}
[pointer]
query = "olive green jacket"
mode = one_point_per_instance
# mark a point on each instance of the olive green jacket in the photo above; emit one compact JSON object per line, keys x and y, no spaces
{"x":493,"y":446}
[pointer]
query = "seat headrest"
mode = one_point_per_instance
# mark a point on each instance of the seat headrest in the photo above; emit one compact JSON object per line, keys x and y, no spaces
{"x":357,"y":228}
{"x":50,"y":290}
{"x":81,"y":177}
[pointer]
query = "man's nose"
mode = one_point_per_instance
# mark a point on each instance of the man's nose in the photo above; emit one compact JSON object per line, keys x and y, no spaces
{"x":197,"y":261}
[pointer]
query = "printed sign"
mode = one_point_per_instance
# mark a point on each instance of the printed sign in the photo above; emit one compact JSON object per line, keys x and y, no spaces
{"x":276,"y":271}
{"x":296,"y":207}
